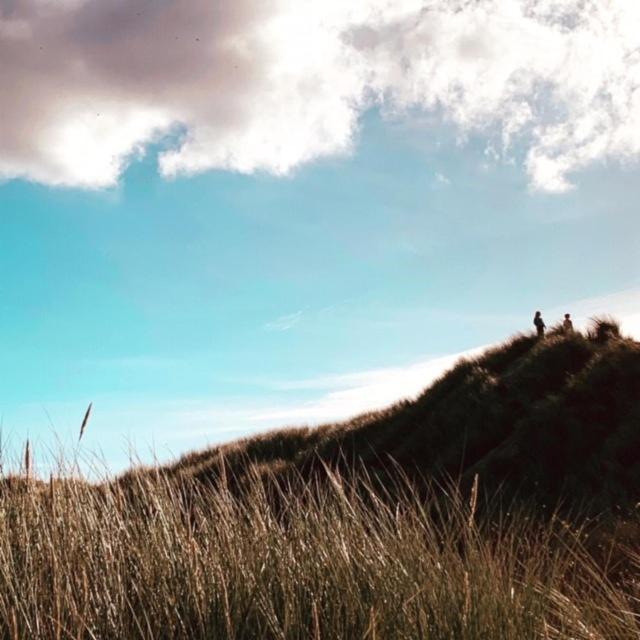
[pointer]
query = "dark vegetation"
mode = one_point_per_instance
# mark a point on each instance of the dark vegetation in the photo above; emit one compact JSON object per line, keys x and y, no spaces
{"x":553,"y":419}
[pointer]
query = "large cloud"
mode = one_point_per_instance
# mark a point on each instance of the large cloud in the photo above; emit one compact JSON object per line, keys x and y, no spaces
{"x":269,"y":84}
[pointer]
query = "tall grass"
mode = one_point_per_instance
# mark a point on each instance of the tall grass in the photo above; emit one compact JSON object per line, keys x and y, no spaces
{"x":160,"y":559}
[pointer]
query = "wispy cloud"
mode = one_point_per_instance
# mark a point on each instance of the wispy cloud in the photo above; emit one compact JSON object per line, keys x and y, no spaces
{"x":284,"y":323}
{"x":144,"y":362}
{"x":252,"y":85}
{"x":349,"y":394}
{"x":441,"y":179}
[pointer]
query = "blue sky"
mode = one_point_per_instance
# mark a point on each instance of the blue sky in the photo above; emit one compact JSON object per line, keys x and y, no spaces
{"x":204,"y":254}
{"x":187,"y":310}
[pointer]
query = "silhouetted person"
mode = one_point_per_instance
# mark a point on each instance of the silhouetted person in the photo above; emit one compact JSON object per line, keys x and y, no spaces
{"x":567,"y":325}
{"x":539,"y":323}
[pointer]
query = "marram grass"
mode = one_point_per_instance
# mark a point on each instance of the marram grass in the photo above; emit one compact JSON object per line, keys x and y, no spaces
{"x":156,"y":559}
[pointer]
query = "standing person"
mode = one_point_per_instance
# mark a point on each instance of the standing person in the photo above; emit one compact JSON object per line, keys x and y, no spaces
{"x":539,"y":323}
{"x":567,"y":325}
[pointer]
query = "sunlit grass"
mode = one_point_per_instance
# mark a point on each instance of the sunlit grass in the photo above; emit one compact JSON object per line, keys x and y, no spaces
{"x":159,"y":559}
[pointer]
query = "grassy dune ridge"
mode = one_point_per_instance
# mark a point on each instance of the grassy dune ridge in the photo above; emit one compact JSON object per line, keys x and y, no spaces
{"x":552,"y":419}
{"x":355,"y":530}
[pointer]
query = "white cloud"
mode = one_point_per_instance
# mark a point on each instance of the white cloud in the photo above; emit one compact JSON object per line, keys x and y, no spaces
{"x":284,"y":323}
{"x":270,"y":84}
{"x":347,"y":395}
{"x":441,"y":179}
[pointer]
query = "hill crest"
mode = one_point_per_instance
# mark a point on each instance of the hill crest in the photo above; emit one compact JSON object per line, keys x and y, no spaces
{"x":558,"y":417}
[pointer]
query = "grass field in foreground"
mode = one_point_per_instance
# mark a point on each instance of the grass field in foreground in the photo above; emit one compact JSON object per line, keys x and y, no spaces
{"x":168,"y":561}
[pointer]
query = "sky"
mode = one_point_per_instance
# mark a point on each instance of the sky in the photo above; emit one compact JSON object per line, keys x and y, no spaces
{"x":218,"y":218}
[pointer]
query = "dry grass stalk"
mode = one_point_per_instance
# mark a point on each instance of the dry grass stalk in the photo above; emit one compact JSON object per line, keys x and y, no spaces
{"x":85,"y":421}
{"x":473,"y":500}
{"x":27,"y":460}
